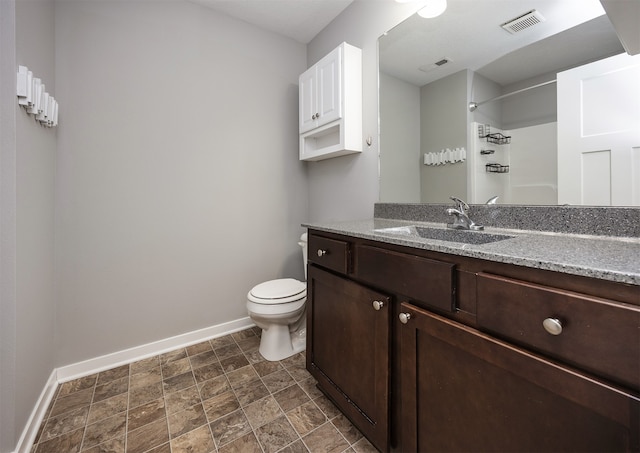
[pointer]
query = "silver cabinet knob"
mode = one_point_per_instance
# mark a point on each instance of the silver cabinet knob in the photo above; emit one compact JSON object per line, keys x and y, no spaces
{"x":404,"y":317}
{"x":322,"y":252}
{"x":313,"y":117}
{"x":552,"y":325}
{"x":378,"y":304}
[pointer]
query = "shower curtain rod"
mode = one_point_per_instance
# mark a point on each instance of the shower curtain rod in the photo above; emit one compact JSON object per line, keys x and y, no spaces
{"x":475,"y":105}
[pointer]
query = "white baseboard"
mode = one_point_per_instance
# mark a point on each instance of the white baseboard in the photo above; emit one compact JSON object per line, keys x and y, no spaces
{"x":37,"y":415}
{"x":105,"y":362}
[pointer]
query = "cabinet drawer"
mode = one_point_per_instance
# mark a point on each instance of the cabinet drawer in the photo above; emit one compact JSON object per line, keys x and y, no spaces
{"x":423,"y":280}
{"x":596,"y":334}
{"x":330,"y":253}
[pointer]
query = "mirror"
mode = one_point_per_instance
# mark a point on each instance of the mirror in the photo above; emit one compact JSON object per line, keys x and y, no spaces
{"x":432,"y":146}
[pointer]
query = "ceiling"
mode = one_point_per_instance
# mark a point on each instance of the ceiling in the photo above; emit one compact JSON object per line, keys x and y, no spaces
{"x":469,"y":35}
{"x":300,"y":20}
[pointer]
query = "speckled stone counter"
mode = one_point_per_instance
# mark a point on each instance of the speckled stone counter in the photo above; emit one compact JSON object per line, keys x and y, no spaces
{"x":603,"y":257}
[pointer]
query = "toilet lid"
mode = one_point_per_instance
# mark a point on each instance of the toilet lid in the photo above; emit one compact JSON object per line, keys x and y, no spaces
{"x":278,"y":291}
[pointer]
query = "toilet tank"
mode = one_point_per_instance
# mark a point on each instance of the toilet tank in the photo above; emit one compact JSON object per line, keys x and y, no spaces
{"x":303,"y":244}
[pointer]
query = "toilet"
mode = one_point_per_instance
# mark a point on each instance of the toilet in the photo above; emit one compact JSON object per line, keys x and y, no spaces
{"x":278,"y":307}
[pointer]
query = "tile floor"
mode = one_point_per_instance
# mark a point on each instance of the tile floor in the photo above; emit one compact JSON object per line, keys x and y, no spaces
{"x":216,"y":396}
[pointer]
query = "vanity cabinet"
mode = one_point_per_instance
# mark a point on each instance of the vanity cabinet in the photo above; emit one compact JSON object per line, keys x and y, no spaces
{"x":330,"y":105}
{"x":463,"y":390}
{"x":427,"y":351}
{"x":348,"y":349}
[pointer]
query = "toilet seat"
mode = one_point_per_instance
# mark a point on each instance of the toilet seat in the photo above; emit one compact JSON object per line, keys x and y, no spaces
{"x":280,"y":291}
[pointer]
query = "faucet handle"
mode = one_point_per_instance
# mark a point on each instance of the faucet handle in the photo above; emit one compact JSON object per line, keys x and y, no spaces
{"x":460,"y":204}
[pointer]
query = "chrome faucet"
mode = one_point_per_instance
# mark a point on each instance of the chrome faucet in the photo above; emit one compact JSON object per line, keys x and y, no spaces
{"x":461,"y":219}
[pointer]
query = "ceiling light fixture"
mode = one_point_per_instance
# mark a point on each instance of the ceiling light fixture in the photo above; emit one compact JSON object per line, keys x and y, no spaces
{"x":433,"y":9}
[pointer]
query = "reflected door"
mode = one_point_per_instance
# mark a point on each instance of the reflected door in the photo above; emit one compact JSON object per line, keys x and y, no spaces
{"x":599,"y":133}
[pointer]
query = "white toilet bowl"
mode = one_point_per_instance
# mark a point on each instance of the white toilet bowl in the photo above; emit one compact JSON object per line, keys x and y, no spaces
{"x":278,"y":308}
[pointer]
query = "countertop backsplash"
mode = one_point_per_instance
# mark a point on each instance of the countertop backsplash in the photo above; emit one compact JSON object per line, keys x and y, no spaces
{"x":599,"y":221}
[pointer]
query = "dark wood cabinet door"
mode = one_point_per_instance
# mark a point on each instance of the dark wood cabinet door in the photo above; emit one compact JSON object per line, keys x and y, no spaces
{"x":462,"y":390}
{"x":348,"y":350}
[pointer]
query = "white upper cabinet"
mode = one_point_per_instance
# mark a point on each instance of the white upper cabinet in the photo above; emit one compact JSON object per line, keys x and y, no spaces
{"x":331,"y":105}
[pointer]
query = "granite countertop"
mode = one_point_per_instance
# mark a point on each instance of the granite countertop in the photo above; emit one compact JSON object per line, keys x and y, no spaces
{"x":604,"y":257}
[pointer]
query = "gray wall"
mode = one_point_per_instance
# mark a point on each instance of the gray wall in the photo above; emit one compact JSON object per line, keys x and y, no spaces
{"x":178,"y":183}
{"x":28,"y":170}
{"x":400,"y":159}
{"x":347,"y":187}
{"x":444,"y":124}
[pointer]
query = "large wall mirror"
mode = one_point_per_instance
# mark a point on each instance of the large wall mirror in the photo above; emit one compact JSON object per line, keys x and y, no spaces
{"x":557,"y":114}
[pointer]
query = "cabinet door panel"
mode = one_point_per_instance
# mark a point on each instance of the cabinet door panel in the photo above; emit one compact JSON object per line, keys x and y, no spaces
{"x":348,"y":350}
{"x":330,"y":87}
{"x":308,"y":100}
{"x":466,"y":391}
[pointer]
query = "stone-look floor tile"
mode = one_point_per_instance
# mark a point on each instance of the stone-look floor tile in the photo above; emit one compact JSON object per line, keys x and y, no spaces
{"x":296,"y":447}
{"x":229,"y":428}
{"x":220,"y":405}
{"x":221,"y":341}
{"x":251,"y":391}
{"x":176,"y":367}
{"x":278,"y":381}
{"x":245,"y":444}
{"x":179,"y":382}
{"x":326,"y":439}
{"x":291,"y":397}
{"x":326,"y":406}
{"x":187,"y":420}
{"x":77,"y":384}
{"x":242,"y":335}
{"x":104,"y":430}
{"x":347,"y":429}
{"x":310,"y":387}
{"x":227,"y":351}
{"x":145,"y":414}
{"x":146,"y":377}
{"x":206,"y":372}
{"x":234,"y":362}
{"x":145,"y":394}
{"x":182,"y":399}
{"x":110,"y":389}
{"x":203,"y":359}
{"x":299,"y":373}
{"x":242,"y":376}
{"x":111,"y":446}
{"x":113,"y":374}
{"x":67,"y":443}
{"x":262,"y":411}
{"x":265,"y":367}
{"x":306,"y":418}
{"x":152,"y":435}
{"x":212,"y":387}
{"x":107,"y":408}
{"x":76,"y":400}
{"x":254,"y":357}
{"x":172,"y":355}
{"x":197,"y":441}
{"x":296,"y":360}
{"x":363,"y":446}
{"x":276,"y":434}
{"x":249,"y":344}
{"x":199,"y":348}
{"x":64,"y":423}
{"x":164,"y":448}
{"x":144,"y":365}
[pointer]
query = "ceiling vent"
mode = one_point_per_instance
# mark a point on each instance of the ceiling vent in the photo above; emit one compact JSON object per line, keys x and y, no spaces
{"x":523,"y":22}
{"x":430,"y":67}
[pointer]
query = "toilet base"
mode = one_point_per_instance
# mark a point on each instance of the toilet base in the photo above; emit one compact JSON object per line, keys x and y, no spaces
{"x":278,"y":343}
